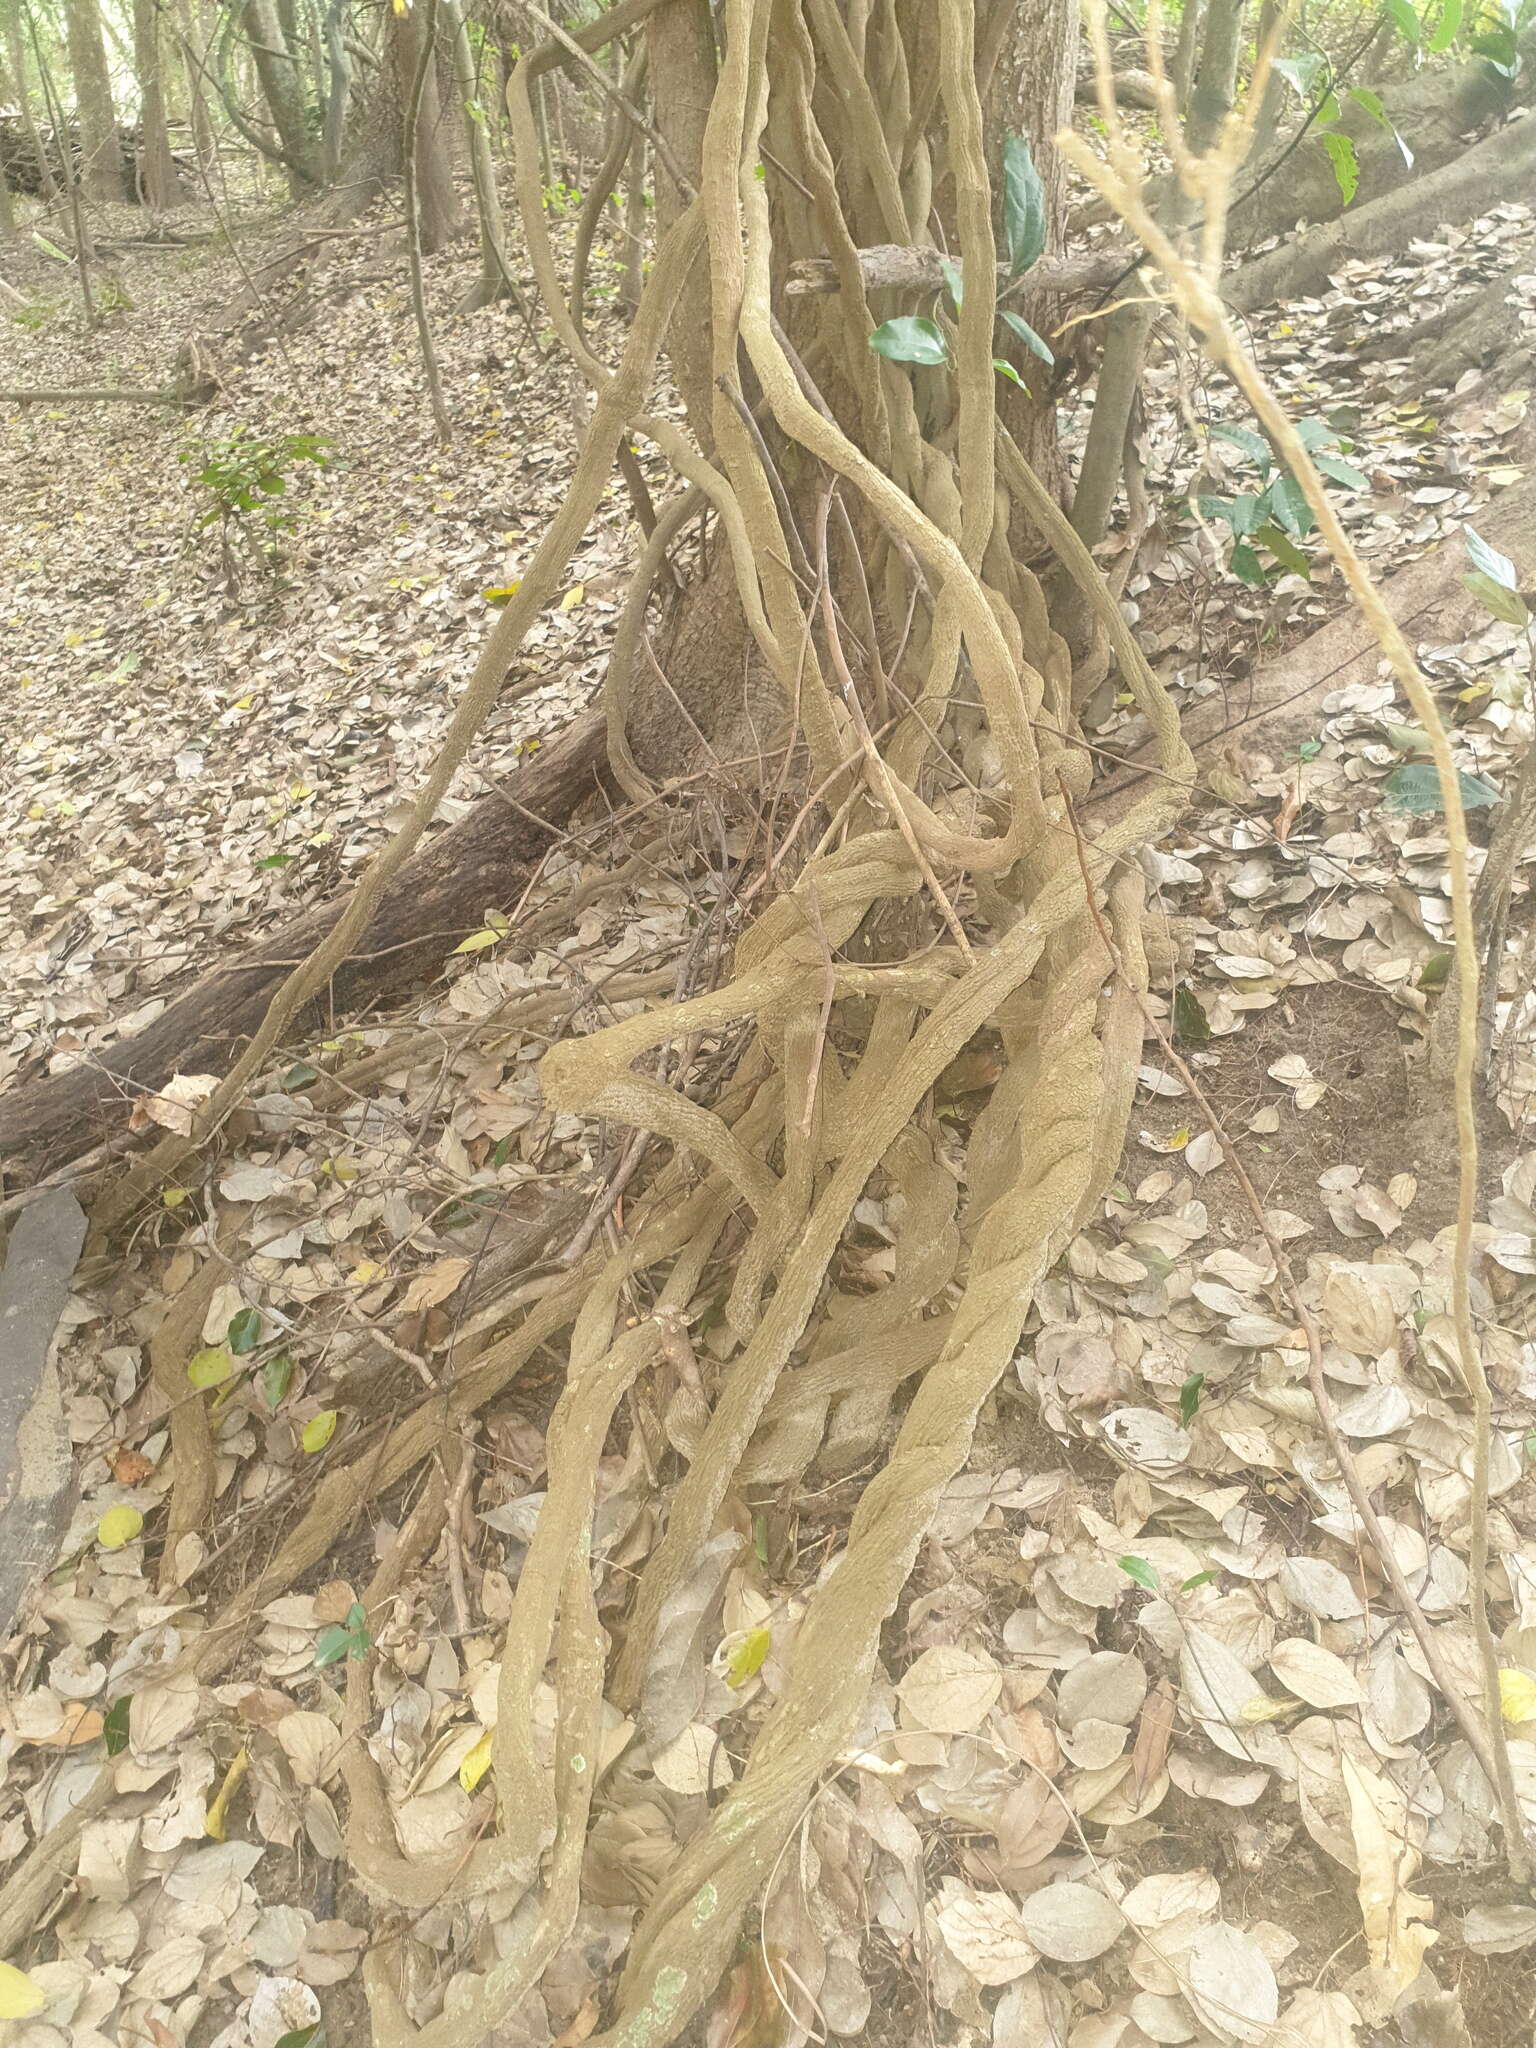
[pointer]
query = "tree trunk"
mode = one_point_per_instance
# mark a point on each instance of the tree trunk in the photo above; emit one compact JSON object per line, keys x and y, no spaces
{"x":194,"y":65}
{"x":495,"y":279}
{"x":100,"y":145}
{"x":1033,"y":95}
{"x":680,"y":41}
{"x":283,"y":90}
{"x":16,"y":61}
{"x":437,"y":207}
{"x":338,"y":87}
{"x":1128,"y":331}
{"x":158,"y":181}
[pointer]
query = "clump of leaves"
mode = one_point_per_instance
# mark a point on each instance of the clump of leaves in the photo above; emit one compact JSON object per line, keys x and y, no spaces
{"x":245,"y":479}
{"x":914,"y":338}
{"x":1268,"y":523}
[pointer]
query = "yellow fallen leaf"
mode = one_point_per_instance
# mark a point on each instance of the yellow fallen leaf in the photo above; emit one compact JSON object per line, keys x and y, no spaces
{"x":1392,"y":1915}
{"x":1517,"y":1695}
{"x":319,"y":1430}
{"x":477,"y":1762}
{"x":499,"y":593}
{"x":1262,"y":1708}
{"x":746,"y":1660}
{"x":478,"y":941}
{"x":210,"y":1367}
{"x":573,"y":597}
{"x":218,"y":1808}
{"x":118,"y":1526}
{"x":20,"y":1995}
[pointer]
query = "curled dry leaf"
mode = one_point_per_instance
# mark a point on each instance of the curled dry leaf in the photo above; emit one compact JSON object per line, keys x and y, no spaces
{"x":985,"y":1933}
{"x":1394,"y":1916}
{"x":1314,"y":1674}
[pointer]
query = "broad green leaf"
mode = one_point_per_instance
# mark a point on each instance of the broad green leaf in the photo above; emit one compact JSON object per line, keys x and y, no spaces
{"x":1371,"y":103}
{"x":114,"y":1728}
{"x":1404,"y":20}
{"x":1191,"y":1026}
{"x":1189,"y":1396}
{"x":1007,"y":370}
{"x":1507,"y":605}
{"x":118,"y":1526}
{"x":276,"y":1378}
{"x":331,"y":1645}
{"x":1342,"y":472}
{"x":954,"y":283}
{"x":311,"y":2036}
{"x":210,"y":1367}
{"x":1415,"y":788}
{"x":1446,"y":28}
{"x":1499,"y":46}
{"x":1284,"y":551}
{"x":1300,"y":73}
{"x":910,"y":339}
{"x":244,"y":1332}
{"x":1314,"y":433}
{"x":1489,"y":560}
{"x":1254,"y":446}
{"x":1346,"y":165}
{"x":1027,"y":335}
{"x":478,"y":941}
{"x":1246,"y":566}
{"x":1199,"y":1579}
{"x":1023,"y":206}
{"x":1138,"y":1569}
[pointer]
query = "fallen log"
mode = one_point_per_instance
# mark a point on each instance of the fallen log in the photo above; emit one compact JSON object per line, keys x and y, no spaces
{"x":1458,"y":192}
{"x":486,"y":858}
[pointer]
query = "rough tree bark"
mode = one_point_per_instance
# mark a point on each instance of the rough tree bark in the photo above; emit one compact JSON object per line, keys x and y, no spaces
{"x":282,"y":88}
{"x":158,"y":181}
{"x":16,"y":64}
{"x":100,"y":144}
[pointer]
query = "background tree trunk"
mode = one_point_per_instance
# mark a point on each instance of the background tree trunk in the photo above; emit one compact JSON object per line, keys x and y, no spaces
{"x":194,"y":65}
{"x":100,"y":147}
{"x":16,"y":64}
{"x":283,"y":90}
{"x":159,"y":183}
{"x":436,"y":204}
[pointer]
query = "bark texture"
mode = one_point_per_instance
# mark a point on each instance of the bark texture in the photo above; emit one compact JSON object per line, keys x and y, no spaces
{"x":159,"y":184}
{"x":100,"y":145}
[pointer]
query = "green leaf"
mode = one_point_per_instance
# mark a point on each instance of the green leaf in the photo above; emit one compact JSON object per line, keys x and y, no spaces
{"x":1499,"y":46}
{"x":1199,"y":1579}
{"x":1314,"y":433}
{"x":1343,"y":472}
{"x":1007,"y":370}
{"x":1489,"y":560}
{"x":1023,"y":206}
{"x":1191,"y":1026}
{"x":1285,"y":502}
{"x":1415,"y":788}
{"x":1300,"y":72}
{"x":1404,"y":20}
{"x":1246,"y":567}
{"x":1507,"y":605}
{"x":303,"y":2037}
{"x":1446,"y":28}
{"x":1346,"y":165}
{"x":244,"y":1332}
{"x":748,"y":1657}
{"x":1365,"y":98}
{"x":331,"y":1645}
{"x":300,"y":1075}
{"x":1027,"y":335}
{"x":909,"y":339}
{"x":1436,"y":971}
{"x":115,"y":1727}
{"x":1245,"y":515}
{"x":1189,"y":1397}
{"x":1138,"y":1569}
{"x":954,"y":282}
{"x":275,"y":860}
{"x":276,"y":1378}
{"x":1254,"y":446}
{"x":501,"y":1151}
{"x":1284,"y":551}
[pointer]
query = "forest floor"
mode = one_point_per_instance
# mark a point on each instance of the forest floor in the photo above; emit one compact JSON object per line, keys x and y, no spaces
{"x":1142,"y":1661}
